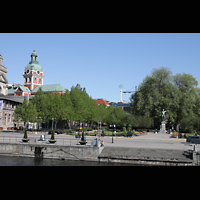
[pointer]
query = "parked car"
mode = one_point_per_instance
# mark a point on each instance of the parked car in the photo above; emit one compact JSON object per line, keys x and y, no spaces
{"x":193,"y":139}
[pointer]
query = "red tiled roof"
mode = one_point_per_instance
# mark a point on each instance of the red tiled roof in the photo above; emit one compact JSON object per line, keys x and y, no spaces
{"x":102,"y":102}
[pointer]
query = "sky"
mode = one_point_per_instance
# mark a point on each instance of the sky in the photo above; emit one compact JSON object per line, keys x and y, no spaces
{"x":100,"y":62}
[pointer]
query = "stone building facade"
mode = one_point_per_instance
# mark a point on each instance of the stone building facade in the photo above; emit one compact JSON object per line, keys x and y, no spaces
{"x":8,"y":103}
{"x":3,"y":79}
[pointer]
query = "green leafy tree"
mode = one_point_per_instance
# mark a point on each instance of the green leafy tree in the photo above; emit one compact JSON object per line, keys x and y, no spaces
{"x":80,"y":103}
{"x":177,"y":94}
{"x":26,"y":111}
{"x":93,"y":114}
{"x":54,"y":107}
{"x":103,"y":113}
{"x":155,"y":93}
{"x":73,"y":105}
{"x":188,"y":110}
{"x":68,"y":111}
{"x":40,"y":103}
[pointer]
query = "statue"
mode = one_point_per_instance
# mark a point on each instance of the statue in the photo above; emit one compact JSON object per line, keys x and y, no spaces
{"x":163,"y":115}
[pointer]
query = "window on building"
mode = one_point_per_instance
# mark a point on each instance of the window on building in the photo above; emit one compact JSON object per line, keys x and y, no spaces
{"x":35,"y":79}
{"x":25,"y":80}
{"x":40,"y":80}
{"x":9,"y":117}
{"x":30,"y":79}
{"x":5,"y":103}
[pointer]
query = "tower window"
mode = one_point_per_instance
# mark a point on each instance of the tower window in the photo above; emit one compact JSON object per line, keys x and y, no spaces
{"x":35,"y":79}
{"x":40,"y":80}
{"x":30,"y":79}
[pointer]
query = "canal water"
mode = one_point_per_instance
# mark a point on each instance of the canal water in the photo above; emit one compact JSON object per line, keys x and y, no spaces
{"x":23,"y":161}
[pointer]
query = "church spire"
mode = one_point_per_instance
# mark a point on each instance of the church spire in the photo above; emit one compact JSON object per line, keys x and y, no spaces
{"x":34,"y":57}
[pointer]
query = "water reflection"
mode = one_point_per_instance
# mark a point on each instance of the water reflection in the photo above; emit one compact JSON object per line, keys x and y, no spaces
{"x":22,"y":161}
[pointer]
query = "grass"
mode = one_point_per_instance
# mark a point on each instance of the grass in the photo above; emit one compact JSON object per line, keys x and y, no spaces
{"x":190,"y":134}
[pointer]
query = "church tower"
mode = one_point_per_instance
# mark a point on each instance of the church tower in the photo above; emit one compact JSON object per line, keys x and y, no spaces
{"x":33,"y":73}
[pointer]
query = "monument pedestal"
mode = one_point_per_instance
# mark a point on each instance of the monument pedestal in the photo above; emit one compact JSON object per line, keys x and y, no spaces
{"x":162,"y":127}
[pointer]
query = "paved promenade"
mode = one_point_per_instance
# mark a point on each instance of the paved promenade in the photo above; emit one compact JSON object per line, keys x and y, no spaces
{"x":150,"y":149}
{"x":146,"y":148}
{"x":150,"y":140}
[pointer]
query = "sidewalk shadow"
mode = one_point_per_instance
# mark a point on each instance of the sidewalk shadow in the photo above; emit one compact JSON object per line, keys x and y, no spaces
{"x":188,"y":154}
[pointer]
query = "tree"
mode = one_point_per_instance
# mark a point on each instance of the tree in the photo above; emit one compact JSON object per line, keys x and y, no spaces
{"x":155,"y":93}
{"x":111,"y":115}
{"x":93,"y":114}
{"x":103,"y":112}
{"x":74,"y":105}
{"x":54,"y":107}
{"x":80,"y":103}
{"x":188,"y":109}
{"x":26,"y":111}
{"x":39,"y":102}
{"x":177,"y":94}
{"x":68,"y":112}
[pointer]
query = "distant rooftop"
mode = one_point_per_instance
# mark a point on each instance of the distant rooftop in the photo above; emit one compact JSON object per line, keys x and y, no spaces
{"x":52,"y":88}
{"x":101,"y":101}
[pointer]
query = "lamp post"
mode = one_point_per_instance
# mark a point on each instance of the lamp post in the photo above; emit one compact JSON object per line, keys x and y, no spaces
{"x":113,"y":133}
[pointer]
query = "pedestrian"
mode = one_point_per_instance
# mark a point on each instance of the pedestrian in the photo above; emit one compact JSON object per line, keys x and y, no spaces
{"x":103,"y":133}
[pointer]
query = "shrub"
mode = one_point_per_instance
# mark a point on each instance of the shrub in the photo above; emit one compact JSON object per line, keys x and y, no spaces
{"x":124,"y":129}
{"x":123,"y":134}
{"x":129,"y":127}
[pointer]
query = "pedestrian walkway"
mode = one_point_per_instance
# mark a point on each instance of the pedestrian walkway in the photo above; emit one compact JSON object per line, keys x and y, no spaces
{"x":160,"y":136}
{"x":148,"y":136}
{"x":156,"y":136}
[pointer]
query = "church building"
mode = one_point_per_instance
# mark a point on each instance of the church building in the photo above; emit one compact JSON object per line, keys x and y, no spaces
{"x":13,"y":95}
{"x":33,"y":80}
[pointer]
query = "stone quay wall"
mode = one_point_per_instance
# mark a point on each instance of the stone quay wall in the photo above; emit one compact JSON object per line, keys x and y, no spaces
{"x":89,"y":153}
{"x":136,"y":156}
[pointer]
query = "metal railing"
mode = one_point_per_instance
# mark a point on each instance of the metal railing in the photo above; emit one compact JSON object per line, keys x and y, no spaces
{"x":36,"y":140}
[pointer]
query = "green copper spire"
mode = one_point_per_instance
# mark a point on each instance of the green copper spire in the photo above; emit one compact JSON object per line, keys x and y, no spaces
{"x":33,"y":57}
{"x":33,"y":64}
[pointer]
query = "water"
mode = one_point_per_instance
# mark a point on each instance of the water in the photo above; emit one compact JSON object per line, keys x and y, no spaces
{"x":23,"y":161}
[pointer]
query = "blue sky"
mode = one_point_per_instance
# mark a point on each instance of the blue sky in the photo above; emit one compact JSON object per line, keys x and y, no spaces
{"x":100,"y":62}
